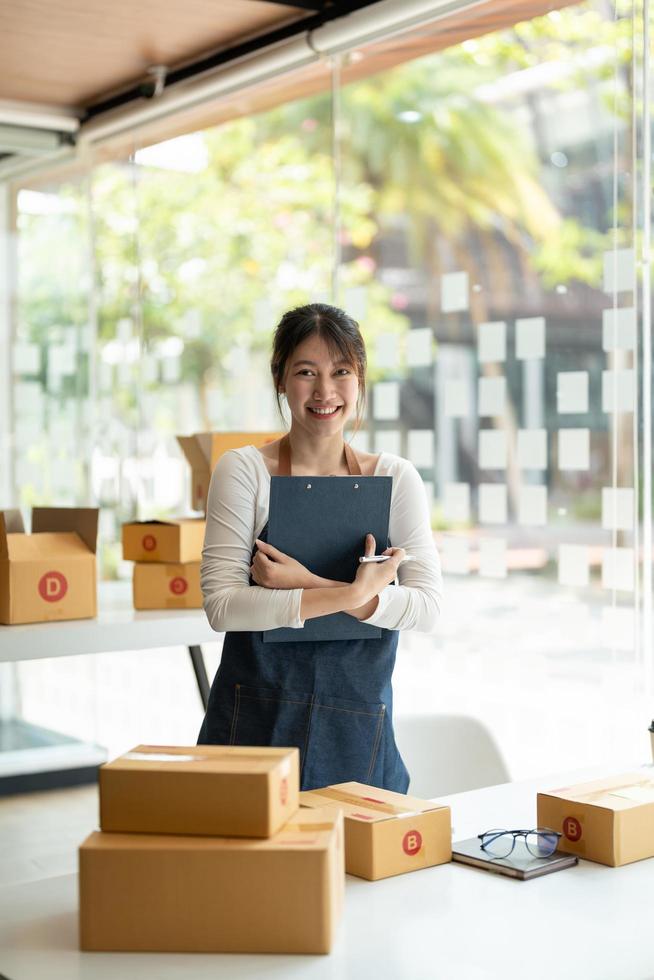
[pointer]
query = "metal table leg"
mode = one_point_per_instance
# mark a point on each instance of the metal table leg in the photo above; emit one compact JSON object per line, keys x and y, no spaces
{"x":200,"y":674}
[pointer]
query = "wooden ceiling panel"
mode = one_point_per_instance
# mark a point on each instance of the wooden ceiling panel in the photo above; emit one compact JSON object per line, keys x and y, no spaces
{"x":485,"y":18}
{"x":72,"y":52}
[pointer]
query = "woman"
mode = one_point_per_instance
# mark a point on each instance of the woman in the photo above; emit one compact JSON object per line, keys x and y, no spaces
{"x":331,"y":699}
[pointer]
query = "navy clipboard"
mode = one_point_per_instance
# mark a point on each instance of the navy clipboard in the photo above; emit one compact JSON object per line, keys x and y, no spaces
{"x":322,"y":522}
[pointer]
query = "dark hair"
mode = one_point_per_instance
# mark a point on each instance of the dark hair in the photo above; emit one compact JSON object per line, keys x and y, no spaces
{"x":339,"y":331}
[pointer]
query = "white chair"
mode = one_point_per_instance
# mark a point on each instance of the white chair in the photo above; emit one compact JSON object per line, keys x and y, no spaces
{"x":448,"y":754}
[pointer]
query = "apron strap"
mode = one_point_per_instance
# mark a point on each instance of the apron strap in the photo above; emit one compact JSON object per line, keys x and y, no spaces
{"x":284,"y":465}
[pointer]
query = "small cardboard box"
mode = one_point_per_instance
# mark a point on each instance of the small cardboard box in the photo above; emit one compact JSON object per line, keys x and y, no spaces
{"x":228,"y":790}
{"x":610,"y":820}
{"x":386,"y":833}
{"x":204,"y":449}
{"x":49,"y":574}
{"x":162,"y":586}
{"x":178,"y":540}
{"x":143,"y":892}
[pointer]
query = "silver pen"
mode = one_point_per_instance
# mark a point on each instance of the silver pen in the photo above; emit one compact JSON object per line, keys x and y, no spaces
{"x":384,"y":558}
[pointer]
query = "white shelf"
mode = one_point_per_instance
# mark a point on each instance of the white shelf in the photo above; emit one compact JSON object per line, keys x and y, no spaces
{"x":118,"y":626}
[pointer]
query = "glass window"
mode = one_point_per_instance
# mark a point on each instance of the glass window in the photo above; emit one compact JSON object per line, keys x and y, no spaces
{"x":480,"y":210}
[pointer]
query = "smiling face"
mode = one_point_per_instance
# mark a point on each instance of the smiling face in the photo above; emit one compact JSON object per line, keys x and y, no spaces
{"x":321,"y":390}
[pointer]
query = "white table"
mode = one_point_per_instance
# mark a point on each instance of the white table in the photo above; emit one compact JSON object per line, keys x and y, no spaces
{"x":452,"y":922}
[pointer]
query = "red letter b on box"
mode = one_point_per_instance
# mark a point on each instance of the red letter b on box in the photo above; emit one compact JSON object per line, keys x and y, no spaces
{"x":572,"y":829}
{"x":412,"y":842}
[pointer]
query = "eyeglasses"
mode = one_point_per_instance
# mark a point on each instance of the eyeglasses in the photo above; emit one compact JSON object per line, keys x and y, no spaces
{"x":540,"y":842}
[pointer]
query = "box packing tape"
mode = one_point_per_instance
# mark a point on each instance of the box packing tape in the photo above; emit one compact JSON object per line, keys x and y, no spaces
{"x":369,"y":802}
{"x":216,"y":757}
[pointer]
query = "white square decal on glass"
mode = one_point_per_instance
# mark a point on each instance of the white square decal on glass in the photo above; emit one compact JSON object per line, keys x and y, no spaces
{"x":532,"y":506}
{"x":574,"y":561}
{"x":419,"y":347}
{"x":171,"y":370}
{"x":455,"y":555}
{"x":388,"y":441}
{"x":532,"y":449}
{"x":619,"y":329}
{"x":619,"y":270}
{"x":421,"y":448}
{"x":149,"y":370}
{"x":355,"y":301}
{"x":492,"y":449}
{"x":618,"y":628}
{"x":386,"y":349}
{"x":491,"y":342}
{"x":530,"y":338}
{"x":572,"y":392}
{"x":386,"y":401}
{"x":492,"y":558}
{"x":618,"y":391}
{"x":360,"y":441}
{"x":491,"y":399}
{"x":617,"y":508}
{"x":62,"y":359}
{"x":492,"y":503}
{"x":574,"y":449}
{"x":60,"y":474}
{"x":456,"y":502}
{"x":26,"y":358}
{"x":31,"y":393}
{"x":618,"y":569}
{"x":106,"y":376}
{"x":454,"y":292}
{"x":457,"y":399}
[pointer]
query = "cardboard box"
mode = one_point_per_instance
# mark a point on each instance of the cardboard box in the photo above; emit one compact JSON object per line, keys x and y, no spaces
{"x":178,"y":540}
{"x":610,"y":820}
{"x":143,"y":892}
{"x":227,"y":790}
{"x":49,"y":574}
{"x":163,"y":586}
{"x":204,"y":449}
{"x":386,"y":833}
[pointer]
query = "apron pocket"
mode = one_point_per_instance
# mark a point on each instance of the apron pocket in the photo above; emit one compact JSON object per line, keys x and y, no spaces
{"x":270,"y":716}
{"x":344,"y":739}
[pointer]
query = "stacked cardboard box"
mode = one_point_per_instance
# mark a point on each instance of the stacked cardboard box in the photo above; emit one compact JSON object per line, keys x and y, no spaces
{"x":203,"y":849}
{"x":49,"y":574}
{"x":168,"y":553}
{"x":204,"y":449}
{"x":167,"y":556}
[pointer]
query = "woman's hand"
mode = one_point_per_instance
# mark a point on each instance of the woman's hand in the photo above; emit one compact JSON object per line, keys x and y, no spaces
{"x":272,"y":569}
{"x":373,"y":576}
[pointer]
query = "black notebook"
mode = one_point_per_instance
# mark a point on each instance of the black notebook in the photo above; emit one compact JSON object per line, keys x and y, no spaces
{"x":322,"y":521}
{"x":519,"y":864}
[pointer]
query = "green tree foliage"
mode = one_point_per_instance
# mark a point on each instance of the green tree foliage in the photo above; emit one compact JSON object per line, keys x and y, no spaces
{"x":433,"y":146}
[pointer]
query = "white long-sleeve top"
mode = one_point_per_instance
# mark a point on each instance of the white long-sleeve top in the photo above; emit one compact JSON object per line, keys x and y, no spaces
{"x":237,"y":511}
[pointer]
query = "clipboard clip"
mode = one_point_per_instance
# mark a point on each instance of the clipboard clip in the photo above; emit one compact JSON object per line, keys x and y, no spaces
{"x":355,"y":487}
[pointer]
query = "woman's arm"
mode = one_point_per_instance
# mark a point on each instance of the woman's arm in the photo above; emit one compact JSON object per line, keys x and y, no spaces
{"x":323,"y":601}
{"x":414,"y":604}
{"x":360,"y":609}
{"x":230,"y":602}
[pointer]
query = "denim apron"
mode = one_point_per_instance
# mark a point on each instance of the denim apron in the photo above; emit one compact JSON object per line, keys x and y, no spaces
{"x":331,"y":699}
